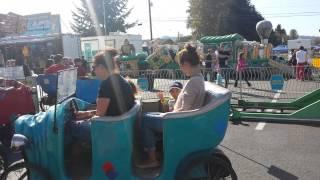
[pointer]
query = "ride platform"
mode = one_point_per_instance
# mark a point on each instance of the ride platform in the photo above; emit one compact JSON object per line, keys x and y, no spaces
{"x":306,"y":108}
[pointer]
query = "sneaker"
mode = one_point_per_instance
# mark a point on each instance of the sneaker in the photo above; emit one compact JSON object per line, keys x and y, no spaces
{"x":148,"y":164}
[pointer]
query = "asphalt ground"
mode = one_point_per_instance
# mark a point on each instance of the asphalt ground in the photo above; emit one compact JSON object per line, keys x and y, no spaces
{"x":275,"y":151}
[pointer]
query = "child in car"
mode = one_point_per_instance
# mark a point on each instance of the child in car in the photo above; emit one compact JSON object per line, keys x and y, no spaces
{"x":174,"y":90}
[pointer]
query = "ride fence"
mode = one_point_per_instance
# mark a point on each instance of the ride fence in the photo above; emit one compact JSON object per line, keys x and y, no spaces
{"x":260,"y":89}
{"x":150,"y":82}
{"x":264,"y":83}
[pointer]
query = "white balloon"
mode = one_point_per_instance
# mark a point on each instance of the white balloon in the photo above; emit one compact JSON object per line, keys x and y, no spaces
{"x":264,"y":29}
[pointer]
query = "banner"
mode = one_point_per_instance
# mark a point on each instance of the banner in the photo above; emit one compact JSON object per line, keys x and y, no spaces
{"x":67,"y":84}
{"x":41,"y":24}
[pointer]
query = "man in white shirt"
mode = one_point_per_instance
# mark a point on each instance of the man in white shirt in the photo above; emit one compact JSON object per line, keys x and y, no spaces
{"x":301,"y":56}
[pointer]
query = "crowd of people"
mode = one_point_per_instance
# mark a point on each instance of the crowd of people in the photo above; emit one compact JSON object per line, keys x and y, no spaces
{"x":300,"y":59}
{"x":216,"y":62}
{"x":54,"y":64}
{"x":58,"y":62}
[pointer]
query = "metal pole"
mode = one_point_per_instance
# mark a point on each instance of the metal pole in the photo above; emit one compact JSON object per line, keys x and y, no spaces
{"x":240,"y":74}
{"x":55,"y":128}
{"x":104,"y":18}
{"x":150,"y":20}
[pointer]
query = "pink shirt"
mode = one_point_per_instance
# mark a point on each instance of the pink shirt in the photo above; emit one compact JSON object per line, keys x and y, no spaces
{"x":241,"y":64}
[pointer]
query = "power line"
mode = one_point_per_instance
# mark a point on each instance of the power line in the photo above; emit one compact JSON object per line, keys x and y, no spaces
{"x":289,"y":14}
{"x":292,"y":13}
{"x":302,"y":15}
{"x":283,"y":15}
{"x":287,"y":6}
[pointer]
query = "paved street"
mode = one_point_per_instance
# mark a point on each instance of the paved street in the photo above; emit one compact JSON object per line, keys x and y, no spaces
{"x":278,"y":151}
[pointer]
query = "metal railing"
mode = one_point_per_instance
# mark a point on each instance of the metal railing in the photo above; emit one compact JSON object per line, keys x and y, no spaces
{"x":258,"y":89}
{"x":260,"y":83}
{"x":158,"y":80}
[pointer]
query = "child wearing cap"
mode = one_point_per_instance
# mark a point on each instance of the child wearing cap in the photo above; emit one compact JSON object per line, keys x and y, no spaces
{"x":191,"y":97}
{"x":174,"y":90}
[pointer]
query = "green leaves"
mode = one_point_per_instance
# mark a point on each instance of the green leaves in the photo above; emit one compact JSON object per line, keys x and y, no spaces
{"x":293,"y":34}
{"x":114,"y":11}
{"x":278,"y":36}
{"x":216,"y":17}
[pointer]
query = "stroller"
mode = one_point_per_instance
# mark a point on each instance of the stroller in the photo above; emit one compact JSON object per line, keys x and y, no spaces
{"x":15,"y":100}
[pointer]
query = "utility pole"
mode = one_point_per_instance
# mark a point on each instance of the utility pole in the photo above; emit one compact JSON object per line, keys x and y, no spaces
{"x":150,"y":20}
{"x":104,"y":18}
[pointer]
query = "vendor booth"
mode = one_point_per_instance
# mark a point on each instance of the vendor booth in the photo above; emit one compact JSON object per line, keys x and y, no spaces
{"x":39,"y":37}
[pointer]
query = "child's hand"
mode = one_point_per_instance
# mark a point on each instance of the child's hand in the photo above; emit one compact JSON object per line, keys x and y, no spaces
{"x":80,"y":115}
{"x":160,"y":95}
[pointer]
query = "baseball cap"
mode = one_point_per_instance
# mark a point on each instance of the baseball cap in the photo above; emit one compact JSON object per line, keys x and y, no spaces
{"x":176,"y":85}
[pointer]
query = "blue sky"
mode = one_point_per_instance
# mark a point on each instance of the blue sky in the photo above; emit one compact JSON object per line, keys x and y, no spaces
{"x":292,"y":14}
{"x":169,"y":15}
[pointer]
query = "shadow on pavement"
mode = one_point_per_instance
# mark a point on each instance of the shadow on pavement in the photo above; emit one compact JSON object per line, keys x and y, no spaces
{"x":281,"y":174}
{"x":273,"y":170}
{"x":240,"y":123}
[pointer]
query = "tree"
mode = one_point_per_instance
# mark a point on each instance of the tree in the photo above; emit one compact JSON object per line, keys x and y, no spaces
{"x":82,"y":21}
{"x":184,"y":38}
{"x":316,"y":41}
{"x":278,"y":36}
{"x":216,"y":17}
{"x":281,"y":34}
{"x":273,"y":38}
{"x":89,"y":18}
{"x":167,"y":41}
{"x":293,"y":34}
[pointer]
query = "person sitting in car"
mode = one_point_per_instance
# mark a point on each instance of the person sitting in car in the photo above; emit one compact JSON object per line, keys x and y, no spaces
{"x":191,"y":97}
{"x":174,"y":90}
{"x":115,"y":96}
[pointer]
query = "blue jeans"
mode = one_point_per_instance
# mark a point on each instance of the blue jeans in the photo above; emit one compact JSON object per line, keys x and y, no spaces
{"x":80,"y":130}
{"x":151,"y":125}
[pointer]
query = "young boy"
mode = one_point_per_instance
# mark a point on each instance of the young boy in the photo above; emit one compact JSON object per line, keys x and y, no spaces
{"x":174,"y":90}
